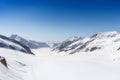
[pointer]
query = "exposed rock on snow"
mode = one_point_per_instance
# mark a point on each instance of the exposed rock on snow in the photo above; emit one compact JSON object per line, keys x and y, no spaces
{"x":99,"y":41}
{"x":29,"y":43}
{"x":3,"y":61}
{"x":6,"y":42}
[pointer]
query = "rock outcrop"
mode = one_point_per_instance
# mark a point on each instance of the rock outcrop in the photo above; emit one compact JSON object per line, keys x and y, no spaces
{"x":3,"y":61}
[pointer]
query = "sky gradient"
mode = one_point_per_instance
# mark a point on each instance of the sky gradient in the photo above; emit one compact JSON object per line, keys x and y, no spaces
{"x":56,"y":20}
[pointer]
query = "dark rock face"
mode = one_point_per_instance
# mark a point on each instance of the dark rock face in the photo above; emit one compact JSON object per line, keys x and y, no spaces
{"x":82,"y":47}
{"x":29,"y":43}
{"x":77,"y":47}
{"x":2,"y":45}
{"x":93,"y":35}
{"x":3,"y":61}
{"x":65,"y":44}
{"x":94,"y":48}
{"x":5,"y":43}
{"x":24,"y":46}
{"x":62,"y":47}
{"x":118,"y":48}
{"x":85,"y":44}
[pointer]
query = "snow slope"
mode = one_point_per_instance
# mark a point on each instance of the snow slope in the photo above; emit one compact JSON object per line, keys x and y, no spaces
{"x":49,"y":65}
{"x":95,"y":58}
{"x":19,"y":65}
{"x":83,"y":66}
{"x":100,"y":41}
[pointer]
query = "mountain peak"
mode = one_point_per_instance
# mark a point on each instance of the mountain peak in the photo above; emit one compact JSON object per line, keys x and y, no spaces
{"x":100,"y":41}
{"x":16,"y":37}
{"x":72,"y":38}
{"x":29,"y":43}
{"x":106,"y":34}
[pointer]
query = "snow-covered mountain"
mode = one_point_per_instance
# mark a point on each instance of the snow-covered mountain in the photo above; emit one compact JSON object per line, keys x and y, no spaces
{"x":99,"y":59}
{"x":29,"y":43}
{"x":99,"y":41}
{"x":52,"y":44}
{"x":8,"y":43}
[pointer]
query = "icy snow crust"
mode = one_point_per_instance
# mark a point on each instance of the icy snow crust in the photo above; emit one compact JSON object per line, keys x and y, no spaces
{"x":49,"y":65}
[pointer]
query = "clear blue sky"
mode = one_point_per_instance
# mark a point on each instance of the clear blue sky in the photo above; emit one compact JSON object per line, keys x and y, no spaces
{"x":55,"y":20}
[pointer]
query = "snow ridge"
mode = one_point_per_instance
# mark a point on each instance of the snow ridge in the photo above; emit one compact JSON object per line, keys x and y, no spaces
{"x":96,"y":42}
{"x":29,"y":43}
{"x":6,"y":42}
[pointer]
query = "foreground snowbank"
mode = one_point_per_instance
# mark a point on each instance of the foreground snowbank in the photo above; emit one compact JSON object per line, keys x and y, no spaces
{"x":81,"y":66}
{"x":19,"y":65}
{"x":48,"y":65}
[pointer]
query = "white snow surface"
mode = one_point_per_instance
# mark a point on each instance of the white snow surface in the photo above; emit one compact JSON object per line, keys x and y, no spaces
{"x":48,"y":65}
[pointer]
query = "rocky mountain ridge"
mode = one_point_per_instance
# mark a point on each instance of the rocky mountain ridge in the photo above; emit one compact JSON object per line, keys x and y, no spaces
{"x":99,"y":41}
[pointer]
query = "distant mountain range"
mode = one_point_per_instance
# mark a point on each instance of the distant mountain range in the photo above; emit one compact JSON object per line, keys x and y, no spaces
{"x":96,"y":42}
{"x":29,"y":43}
{"x":18,"y":43}
{"x":8,"y":43}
